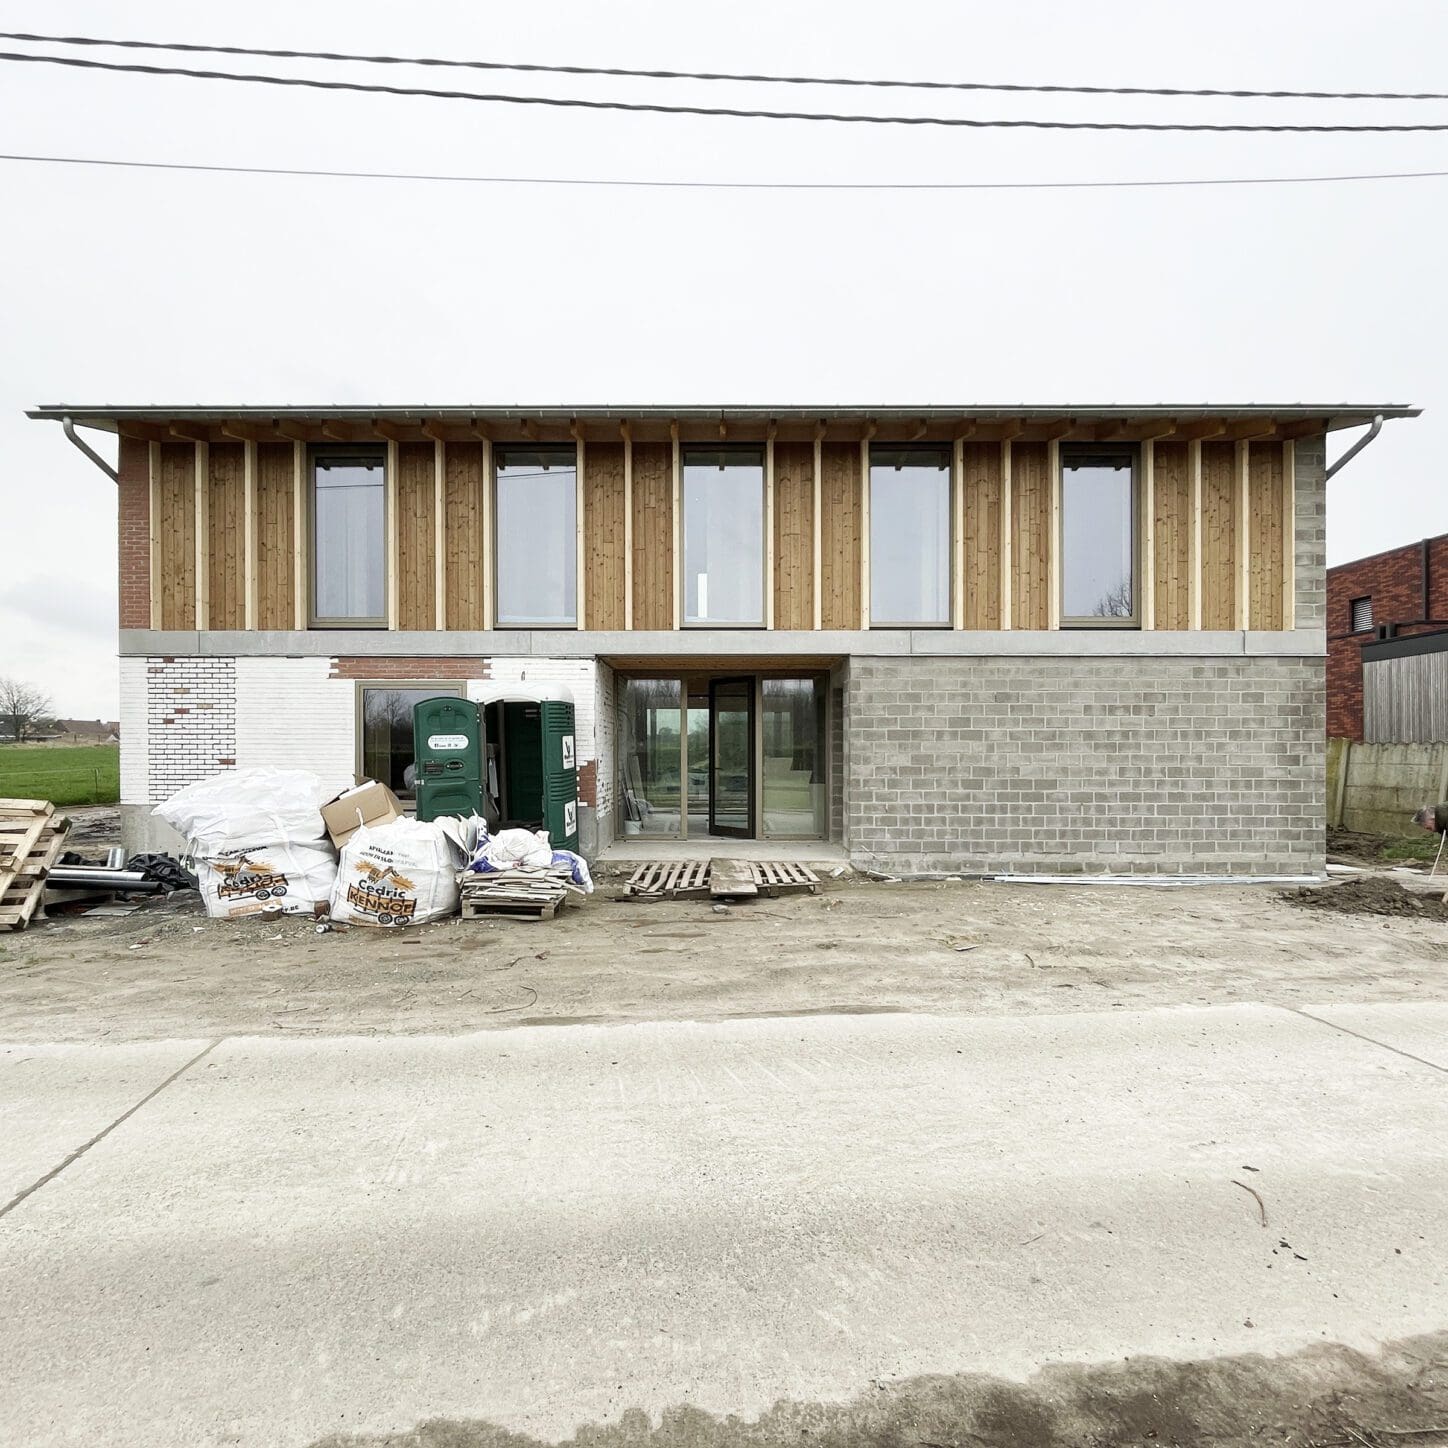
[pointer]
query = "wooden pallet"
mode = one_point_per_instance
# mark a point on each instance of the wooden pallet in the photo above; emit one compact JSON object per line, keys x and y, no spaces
{"x":675,"y":880}
{"x":783,"y":877}
{"x":534,"y":894}
{"x":31,"y":841}
{"x":720,"y":879}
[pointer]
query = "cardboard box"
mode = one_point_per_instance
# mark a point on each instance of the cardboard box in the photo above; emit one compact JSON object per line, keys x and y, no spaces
{"x":373,"y":802}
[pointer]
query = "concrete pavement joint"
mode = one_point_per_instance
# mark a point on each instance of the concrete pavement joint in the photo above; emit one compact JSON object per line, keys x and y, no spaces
{"x":101,"y":1135}
{"x":1348,"y":1031}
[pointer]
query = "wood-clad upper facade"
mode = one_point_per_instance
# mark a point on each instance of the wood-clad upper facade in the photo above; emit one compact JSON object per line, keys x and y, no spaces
{"x":589,"y":521}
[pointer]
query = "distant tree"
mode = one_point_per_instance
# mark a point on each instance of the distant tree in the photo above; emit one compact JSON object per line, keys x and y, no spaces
{"x":1115,"y":602}
{"x":23,"y":709}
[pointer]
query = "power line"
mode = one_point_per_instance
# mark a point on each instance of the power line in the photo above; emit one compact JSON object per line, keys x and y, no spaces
{"x":576,"y":102}
{"x":726,"y":185}
{"x":714,"y":75}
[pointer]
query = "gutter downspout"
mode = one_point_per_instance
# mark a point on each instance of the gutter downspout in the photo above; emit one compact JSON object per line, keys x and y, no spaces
{"x":1357,"y":447}
{"x":68,"y":427}
{"x":1427,"y":548}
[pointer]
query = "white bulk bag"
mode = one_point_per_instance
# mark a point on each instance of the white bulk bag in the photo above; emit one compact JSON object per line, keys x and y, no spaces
{"x":250,"y":804}
{"x":403,"y":872}
{"x":291,"y":876}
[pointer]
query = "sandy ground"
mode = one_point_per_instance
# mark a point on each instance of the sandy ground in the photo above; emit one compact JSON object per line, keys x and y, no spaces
{"x":977,"y":949}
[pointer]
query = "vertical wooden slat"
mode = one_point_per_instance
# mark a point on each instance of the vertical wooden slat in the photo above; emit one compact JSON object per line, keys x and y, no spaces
{"x":792,"y":543}
{"x":1244,"y":539}
{"x":1221,"y":573}
{"x":439,"y":535}
{"x":1146,"y":545}
{"x":817,"y":553}
{"x":628,"y":569}
{"x":957,"y":534}
{"x":767,"y":541}
{"x":1053,"y":571}
{"x":201,"y":459}
{"x":580,"y":565}
{"x":225,"y":541}
{"x":155,"y":525}
{"x":249,"y":523}
{"x":463,"y":537}
{"x":1289,"y":537}
{"x":865,"y":527}
{"x":604,"y":530}
{"x":1171,"y":535}
{"x":1194,"y":600}
{"x":1266,"y":488}
{"x":676,"y":497}
{"x":1007,"y":513}
{"x":1031,"y":550}
{"x":840,"y":528}
{"x":981,"y":499}
{"x":301,"y":532}
{"x":394,"y":540}
{"x":489,"y":563}
{"x":413,"y":489}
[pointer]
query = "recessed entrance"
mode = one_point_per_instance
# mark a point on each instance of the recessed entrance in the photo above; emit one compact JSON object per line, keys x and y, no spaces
{"x":724,"y":756}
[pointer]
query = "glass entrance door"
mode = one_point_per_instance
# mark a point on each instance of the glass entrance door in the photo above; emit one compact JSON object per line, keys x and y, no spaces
{"x":731,"y":757}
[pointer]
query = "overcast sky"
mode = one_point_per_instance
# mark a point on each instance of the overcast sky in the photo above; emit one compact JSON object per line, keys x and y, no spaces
{"x":130,"y":287}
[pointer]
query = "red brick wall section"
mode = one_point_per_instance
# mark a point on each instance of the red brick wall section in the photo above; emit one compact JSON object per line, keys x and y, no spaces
{"x":398,"y":668}
{"x":1394,"y":582}
{"x":133,"y":504}
{"x":588,"y":783}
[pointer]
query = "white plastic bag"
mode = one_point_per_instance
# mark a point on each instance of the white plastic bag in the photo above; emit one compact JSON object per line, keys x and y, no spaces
{"x":245,"y":805}
{"x":508,"y":848}
{"x":403,"y":872}
{"x":293,"y":877}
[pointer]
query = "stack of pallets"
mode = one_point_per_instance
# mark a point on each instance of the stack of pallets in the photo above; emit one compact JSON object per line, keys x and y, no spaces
{"x":31,"y":839}
{"x":534,"y":893}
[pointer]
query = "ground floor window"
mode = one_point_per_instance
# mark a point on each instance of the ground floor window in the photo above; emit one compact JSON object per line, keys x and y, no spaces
{"x":386,"y":750}
{"x":705,"y":756}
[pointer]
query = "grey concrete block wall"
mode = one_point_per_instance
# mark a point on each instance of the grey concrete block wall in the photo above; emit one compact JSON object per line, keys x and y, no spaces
{"x":1309,"y":494}
{"x":1107,"y":765}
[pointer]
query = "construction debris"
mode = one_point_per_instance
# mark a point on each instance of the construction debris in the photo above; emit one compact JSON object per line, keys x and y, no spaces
{"x":31,"y":839}
{"x":535,"y":892}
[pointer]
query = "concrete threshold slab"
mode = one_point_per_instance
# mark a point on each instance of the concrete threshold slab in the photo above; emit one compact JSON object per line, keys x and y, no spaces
{"x":637,"y":850}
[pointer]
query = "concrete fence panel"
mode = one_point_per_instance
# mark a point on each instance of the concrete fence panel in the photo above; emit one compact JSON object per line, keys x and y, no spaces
{"x":1376,"y":787}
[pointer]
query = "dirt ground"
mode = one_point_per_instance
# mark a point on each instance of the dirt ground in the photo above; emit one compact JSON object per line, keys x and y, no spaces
{"x":167,"y":971}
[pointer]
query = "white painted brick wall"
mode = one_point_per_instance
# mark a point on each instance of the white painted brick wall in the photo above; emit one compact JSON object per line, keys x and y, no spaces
{"x":135,"y":756}
{"x":190,"y":721}
{"x":606,"y":705}
{"x":291,"y":715}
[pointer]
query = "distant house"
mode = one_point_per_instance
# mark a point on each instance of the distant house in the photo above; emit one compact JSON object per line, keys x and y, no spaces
{"x":947,"y":638}
{"x":84,"y":731}
{"x":1381,"y":689}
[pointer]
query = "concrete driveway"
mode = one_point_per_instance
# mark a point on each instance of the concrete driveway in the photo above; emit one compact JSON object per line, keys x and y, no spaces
{"x":549,"y":1227}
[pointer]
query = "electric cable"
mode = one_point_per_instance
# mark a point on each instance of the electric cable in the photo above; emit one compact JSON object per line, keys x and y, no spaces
{"x":732,"y":112}
{"x":664,"y":184}
{"x":733,"y":76}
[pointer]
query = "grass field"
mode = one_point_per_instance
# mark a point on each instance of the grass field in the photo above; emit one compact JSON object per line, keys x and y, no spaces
{"x":83,"y":774}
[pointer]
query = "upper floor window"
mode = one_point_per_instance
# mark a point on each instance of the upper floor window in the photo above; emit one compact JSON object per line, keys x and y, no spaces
{"x":1098,"y":534}
{"x":537,"y":536}
{"x":723,"y":535}
{"x":1361,"y":613}
{"x":909,"y":535}
{"x":349,"y":536}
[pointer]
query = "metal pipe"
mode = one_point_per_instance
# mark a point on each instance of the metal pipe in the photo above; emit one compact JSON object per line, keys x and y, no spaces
{"x":1427,"y":611}
{"x":68,"y":427}
{"x":1357,"y":447}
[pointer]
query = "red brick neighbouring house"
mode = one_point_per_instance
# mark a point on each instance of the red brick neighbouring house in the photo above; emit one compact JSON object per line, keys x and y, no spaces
{"x":1401,"y":592}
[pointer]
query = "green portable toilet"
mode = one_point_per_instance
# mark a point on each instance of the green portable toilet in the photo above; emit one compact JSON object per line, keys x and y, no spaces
{"x":448,"y":742}
{"x":539,"y":766}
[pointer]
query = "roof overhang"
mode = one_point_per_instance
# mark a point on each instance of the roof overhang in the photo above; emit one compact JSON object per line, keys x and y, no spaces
{"x":1333,"y":415}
